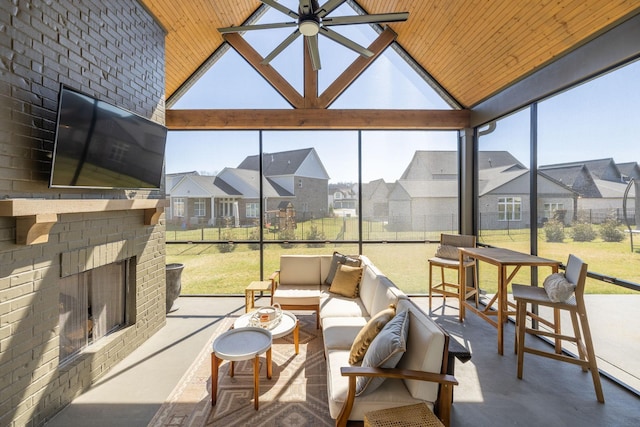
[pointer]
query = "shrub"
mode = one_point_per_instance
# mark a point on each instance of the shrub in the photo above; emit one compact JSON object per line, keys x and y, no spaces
{"x":315,"y":234}
{"x":254,"y":235}
{"x":226,"y":247}
{"x":286,"y":235}
{"x":583,"y":231}
{"x":554,"y":230}
{"x":610,"y":231}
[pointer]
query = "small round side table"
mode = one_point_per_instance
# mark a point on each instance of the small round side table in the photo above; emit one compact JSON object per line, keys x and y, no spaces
{"x":241,"y":344}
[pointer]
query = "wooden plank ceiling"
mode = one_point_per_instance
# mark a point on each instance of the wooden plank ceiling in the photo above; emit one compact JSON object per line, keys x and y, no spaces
{"x":473,"y":48}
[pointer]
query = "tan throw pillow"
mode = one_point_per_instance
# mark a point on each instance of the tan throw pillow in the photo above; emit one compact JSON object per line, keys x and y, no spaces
{"x":337,"y":259}
{"x":346,"y":281}
{"x":369,"y":332}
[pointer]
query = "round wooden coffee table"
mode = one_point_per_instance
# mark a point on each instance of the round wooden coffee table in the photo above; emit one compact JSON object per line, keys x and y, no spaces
{"x":288,"y":323}
{"x":241,"y":344}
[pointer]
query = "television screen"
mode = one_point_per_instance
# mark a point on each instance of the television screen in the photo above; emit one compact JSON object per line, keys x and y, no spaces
{"x":99,"y":145}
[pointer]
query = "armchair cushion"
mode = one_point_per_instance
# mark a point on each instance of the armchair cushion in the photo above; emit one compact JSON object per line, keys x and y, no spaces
{"x":558,"y":288}
{"x":346,"y":281}
{"x":385,"y":351}
{"x":369,"y":332}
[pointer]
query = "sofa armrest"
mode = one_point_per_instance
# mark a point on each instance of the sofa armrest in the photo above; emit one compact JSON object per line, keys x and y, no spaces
{"x":444,"y":396}
{"x":275,"y":279}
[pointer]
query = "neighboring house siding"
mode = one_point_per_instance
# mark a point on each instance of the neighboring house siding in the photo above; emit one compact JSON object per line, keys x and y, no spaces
{"x":311,"y":198}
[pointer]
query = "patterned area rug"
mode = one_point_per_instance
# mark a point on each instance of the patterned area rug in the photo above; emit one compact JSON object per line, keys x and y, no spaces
{"x":296,"y":395}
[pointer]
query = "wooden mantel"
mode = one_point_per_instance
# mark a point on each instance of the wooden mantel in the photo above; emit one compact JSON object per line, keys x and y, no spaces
{"x":35,"y":217}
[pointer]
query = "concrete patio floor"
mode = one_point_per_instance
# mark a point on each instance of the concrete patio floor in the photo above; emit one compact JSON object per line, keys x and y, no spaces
{"x":489,"y":394}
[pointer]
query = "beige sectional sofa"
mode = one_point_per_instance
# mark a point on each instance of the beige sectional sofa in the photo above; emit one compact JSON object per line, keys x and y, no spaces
{"x":420,"y":373}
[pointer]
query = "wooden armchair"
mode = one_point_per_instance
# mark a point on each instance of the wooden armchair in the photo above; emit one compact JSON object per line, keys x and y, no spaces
{"x":442,"y":406}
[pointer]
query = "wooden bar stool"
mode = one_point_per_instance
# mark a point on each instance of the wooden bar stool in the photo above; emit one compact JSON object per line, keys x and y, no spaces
{"x":446,"y":257}
{"x":576,"y":273}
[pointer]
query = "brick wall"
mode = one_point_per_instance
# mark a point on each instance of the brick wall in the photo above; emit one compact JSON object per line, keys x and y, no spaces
{"x":112,"y":50}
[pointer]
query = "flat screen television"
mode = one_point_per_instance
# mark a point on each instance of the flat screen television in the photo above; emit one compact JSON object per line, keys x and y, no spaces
{"x":99,"y":145}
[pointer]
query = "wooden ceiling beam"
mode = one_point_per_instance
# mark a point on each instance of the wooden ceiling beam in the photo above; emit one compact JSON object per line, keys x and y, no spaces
{"x":311,"y":119}
{"x":269,"y":73}
{"x":356,"y":68}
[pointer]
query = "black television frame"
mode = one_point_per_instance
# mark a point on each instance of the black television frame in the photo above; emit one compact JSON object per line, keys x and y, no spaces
{"x":99,"y":145}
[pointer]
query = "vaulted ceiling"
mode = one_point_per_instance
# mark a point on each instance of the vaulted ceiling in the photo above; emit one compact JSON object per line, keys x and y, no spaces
{"x":472,"y":48}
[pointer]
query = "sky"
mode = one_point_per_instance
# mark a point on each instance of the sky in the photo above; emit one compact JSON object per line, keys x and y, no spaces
{"x":596,"y":120}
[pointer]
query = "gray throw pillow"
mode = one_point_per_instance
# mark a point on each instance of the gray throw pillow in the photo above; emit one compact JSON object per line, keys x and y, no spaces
{"x":558,"y":288}
{"x":447,"y":252}
{"x":385,"y":351}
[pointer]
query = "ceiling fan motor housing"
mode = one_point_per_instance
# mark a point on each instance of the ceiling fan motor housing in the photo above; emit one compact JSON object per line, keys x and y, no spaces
{"x":309,"y":22}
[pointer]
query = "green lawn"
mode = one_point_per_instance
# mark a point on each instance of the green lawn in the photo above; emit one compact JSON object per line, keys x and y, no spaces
{"x":210,"y":271}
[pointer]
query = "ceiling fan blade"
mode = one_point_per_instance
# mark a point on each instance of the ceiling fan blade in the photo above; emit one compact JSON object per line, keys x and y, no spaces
{"x":281,"y":8}
{"x":338,"y":38}
{"x":282,"y":46}
{"x":314,"y":52}
{"x":366,"y":19}
{"x":241,"y":28}
{"x":328,"y":7}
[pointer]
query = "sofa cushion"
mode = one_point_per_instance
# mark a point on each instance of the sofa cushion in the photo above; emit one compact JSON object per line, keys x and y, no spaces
{"x":334,"y":305}
{"x":297,"y":295}
{"x":339,"y":332}
{"x":346,"y":281}
{"x":386,"y":293}
{"x":424,"y":352}
{"x":385,"y":351}
{"x":338,"y":258}
{"x":369,"y":332}
{"x":391,"y":393}
{"x":301,"y":270}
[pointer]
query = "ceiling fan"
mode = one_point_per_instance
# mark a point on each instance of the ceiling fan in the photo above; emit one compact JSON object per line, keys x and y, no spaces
{"x":311,"y":20}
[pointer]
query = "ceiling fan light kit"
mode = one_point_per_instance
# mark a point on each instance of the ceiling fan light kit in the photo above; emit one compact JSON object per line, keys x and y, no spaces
{"x":311,"y":21}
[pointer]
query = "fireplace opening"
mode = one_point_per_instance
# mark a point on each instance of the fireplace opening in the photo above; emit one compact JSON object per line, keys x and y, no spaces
{"x":92,"y":305}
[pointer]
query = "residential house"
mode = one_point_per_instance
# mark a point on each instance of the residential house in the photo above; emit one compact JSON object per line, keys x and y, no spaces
{"x":343,"y":199}
{"x":600,"y":184}
{"x":232,"y":198}
{"x":429,"y":184}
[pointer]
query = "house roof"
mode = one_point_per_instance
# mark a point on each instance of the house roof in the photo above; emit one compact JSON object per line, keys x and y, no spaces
{"x":431,"y":165}
{"x":473,"y":50}
{"x":629,"y":170}
{"x":302,"y":162}
{"x":598,"y":168}
{"x":244,"y":182}
{"x":430,"y":189}
{"x":491,"y":179}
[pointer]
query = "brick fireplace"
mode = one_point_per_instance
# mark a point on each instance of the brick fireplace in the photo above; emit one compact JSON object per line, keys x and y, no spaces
{"x":114,"y":51}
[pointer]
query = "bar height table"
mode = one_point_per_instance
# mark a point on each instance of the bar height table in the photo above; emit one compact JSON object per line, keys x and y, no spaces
{"x":503,"y":259}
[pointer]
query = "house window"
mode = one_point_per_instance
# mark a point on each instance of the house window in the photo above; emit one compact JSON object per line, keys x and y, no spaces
{"x":178,"y":207}
{"x":509,"y":209}
{"x":253,"y":210}
{"x":551,"y":208}
{"x":199,"y":207}
{"x":118,"y":152}
{"x":91,"y":305}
